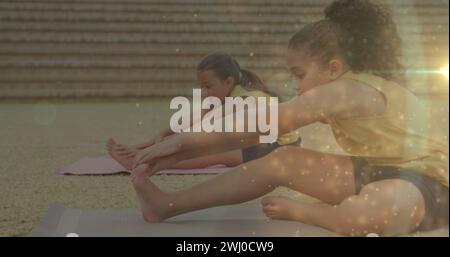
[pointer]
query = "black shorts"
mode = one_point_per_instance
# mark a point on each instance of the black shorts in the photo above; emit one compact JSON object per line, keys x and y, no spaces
{"x":434,"y":193}
{"x":261,"y":150}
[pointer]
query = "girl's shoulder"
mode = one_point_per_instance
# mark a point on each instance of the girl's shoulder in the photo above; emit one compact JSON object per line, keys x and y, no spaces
{"x":374,"y":81}
{"x":394,"y":95}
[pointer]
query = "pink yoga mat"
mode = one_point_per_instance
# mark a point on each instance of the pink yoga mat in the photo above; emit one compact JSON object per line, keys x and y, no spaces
{"x":106,"y":165}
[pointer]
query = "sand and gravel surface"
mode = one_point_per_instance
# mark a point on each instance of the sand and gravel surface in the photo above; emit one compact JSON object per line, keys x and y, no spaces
{"x":38,"y":136}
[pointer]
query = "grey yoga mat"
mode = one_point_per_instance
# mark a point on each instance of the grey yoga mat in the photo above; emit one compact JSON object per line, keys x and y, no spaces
{"x":245,"y":220}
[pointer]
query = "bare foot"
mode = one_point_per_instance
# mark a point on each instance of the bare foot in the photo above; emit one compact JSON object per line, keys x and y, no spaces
{"x":112,"y":151}
{"x":142,"y":170}
{"x":150,"y":198}
{"x":126,"y":151}
{"x":282,"y":208}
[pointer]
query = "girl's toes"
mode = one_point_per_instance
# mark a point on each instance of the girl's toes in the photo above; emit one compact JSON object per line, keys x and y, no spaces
{"x":110,"y":142}
{"x":270,"y":208}
{"x":269,"y":200}
{"x":269,"y":214}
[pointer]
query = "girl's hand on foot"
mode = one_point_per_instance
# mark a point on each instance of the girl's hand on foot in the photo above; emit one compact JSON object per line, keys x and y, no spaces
{"x":163,"y":149}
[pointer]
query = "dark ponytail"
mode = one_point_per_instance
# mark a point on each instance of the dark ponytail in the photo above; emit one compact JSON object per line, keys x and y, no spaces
{"x":226,"y":66}
{"x":361,"y":32}
{"x":251,"y":81}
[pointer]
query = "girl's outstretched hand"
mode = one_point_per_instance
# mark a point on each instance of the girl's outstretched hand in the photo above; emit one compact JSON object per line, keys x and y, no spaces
{"x":170,"y":146}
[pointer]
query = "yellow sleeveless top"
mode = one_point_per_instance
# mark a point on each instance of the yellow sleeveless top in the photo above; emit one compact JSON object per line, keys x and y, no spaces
{"x":284,"y":139}
{"x":400,"y":137}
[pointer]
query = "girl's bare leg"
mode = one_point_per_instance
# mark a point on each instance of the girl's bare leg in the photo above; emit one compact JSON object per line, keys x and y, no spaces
{"x":386,"y":207}
{"x":324,"y":176}
{"x":230,"y":159}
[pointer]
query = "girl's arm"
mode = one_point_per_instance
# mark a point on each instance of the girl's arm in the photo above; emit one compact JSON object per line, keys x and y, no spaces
{"x":341,"y":98}
{"x":165,"y":133}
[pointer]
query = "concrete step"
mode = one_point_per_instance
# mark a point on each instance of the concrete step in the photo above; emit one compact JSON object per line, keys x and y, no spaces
{"x":180,"y":49}
{"x":209,"y":7}
{"x":174,"y":62}
{"x":166,"y":38}
{"x":157,"y":27}
{"x":93,"y":16}
{"x":106,"y":74}
{"x":133,"y":49}
{"x":93,"y":88}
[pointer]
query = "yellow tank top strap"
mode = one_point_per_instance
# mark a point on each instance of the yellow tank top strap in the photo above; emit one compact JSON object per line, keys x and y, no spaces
{"x":366,"y":78}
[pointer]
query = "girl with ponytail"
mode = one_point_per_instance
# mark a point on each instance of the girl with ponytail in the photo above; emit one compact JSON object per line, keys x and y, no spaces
{"x":393,"y":178}
{"x":220,"y":75}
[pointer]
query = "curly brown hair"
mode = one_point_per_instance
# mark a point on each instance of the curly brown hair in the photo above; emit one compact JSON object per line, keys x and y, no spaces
{"x":361,"y":32}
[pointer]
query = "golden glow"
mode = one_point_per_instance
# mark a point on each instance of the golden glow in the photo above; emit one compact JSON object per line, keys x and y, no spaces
{"x":444,"y":71}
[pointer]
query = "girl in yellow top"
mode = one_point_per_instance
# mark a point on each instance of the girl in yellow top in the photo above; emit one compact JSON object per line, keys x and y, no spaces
{"x":395,"y":180}
{"x":219,"y":75}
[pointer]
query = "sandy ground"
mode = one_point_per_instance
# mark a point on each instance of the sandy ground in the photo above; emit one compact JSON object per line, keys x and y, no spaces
{"x":37,"y":137}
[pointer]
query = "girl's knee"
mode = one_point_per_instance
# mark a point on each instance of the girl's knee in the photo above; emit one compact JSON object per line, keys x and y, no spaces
{"x":290,"y":155}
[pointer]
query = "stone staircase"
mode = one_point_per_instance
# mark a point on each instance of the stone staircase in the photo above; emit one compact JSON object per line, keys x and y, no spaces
{"x":117,"y":48}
